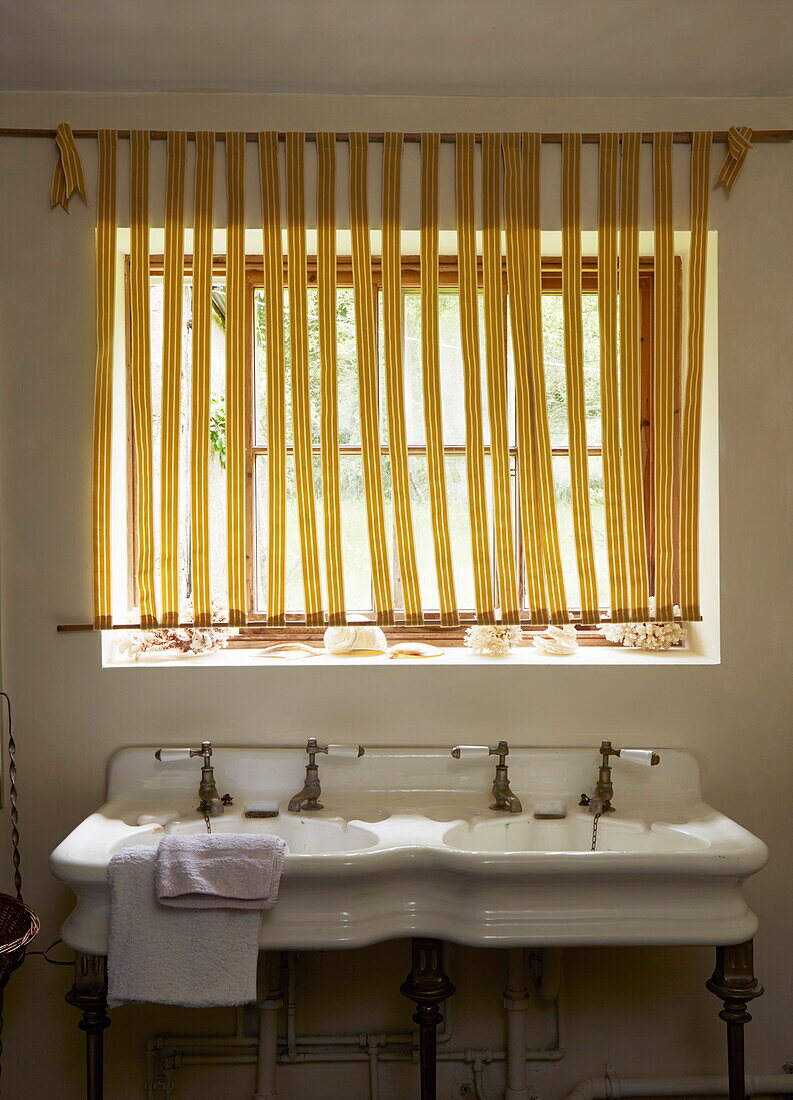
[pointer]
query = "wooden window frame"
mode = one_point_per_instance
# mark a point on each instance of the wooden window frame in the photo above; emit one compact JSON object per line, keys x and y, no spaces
{"x":257,"y":632}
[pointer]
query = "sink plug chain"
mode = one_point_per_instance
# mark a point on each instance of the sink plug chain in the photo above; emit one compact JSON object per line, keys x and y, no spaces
{"x":595,"y":831}
{"x":209,"y":823}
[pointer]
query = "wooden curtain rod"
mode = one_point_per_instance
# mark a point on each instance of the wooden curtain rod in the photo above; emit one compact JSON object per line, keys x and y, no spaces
{"x":681,"y":137}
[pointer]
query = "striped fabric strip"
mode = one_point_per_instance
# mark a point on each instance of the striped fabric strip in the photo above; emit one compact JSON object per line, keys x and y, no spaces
{"x":366,"y":347}
{"x":663,"y":376}
{"x":517,"y":262}
{"x":637,"y":576}
{"x":692,"y":409}
{"x":67,"y":177}
{"x":103,"y":395}
{"x":199,"y":405}
{"x":431,"y":379}
{"x":574,"y":369}
{"x":140,"y":374}
{"x":276,"y":419}
{"x":739,"y":142}
{"x":608,"y":219}
{"x":328,"y":355}
{"x":469,"y":341}
{"x":173,"y":280}
{"x":394,"y":377}
{"x":552,"y":558}
{"x":235,"y":379}
{"x":495,"y":348}
{"x":301,"y":409}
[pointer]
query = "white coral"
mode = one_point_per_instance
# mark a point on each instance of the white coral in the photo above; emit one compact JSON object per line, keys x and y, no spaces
{"x":649,"y":635}
{"x":557,"y":641}
{"x":492,"y":641}
{"x":197,"y":641}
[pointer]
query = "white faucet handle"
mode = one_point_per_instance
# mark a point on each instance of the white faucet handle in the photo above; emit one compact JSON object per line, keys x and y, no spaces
{"x":647,"y":757}
{"x":167,"y":756}
{"x":345,"y":750}
{"x":468,"y":752}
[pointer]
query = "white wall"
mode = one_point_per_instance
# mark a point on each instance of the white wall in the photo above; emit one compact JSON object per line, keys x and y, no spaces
{"x":645,"y":1010}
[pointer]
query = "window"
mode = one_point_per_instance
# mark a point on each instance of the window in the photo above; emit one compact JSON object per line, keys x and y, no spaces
{"x":356,"y":552}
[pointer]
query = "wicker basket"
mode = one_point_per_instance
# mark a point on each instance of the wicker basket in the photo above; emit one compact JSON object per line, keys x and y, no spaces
{"x":18,"y":925}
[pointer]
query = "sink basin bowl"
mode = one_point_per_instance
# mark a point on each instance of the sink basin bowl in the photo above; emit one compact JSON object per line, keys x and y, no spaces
{"x":407,"y":845}
{"x":573,"y":834}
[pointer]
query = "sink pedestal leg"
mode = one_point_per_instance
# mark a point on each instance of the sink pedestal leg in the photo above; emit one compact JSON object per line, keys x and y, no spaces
{"x":734,"y":982}
{"x":89,"y":993}
{"x":428,"y":987}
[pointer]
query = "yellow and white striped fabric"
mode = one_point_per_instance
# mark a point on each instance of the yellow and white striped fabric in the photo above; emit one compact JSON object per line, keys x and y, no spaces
{"x":140,"y":374}
{"x":366,"y":345}
{"x":496,"y":359}
{"x":469,"y":342}
{"x":103,"y":386}
{"x":394,"y":377}
{"x":328,"y":356}
{"x":517,"y":264}
{"x":574,"y":371}
{"x":298,"y":344}
{"x":235,"y":379}
{"x":608,"y":221}
{"x":200,"y":397}
{"x":173,"y":294}
{"x":739,"y":142}
{"x":664,"y":377}
{"x":519,"y":529}
{"x":67,"y":176}
{"x":637,"y":582}
{"x":431,"y":377}
{"x":692,"y":407}
{"x":275,"y":378}
{"x":552,"y":558}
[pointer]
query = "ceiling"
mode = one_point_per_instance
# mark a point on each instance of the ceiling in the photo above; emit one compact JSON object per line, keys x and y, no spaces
{"x":401,"y":47}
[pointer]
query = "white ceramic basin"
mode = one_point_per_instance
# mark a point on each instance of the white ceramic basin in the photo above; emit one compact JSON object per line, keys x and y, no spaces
{"x":407,"y":845}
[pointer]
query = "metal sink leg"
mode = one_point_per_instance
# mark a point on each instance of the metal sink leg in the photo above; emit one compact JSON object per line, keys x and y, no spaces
{"x":428,"y":987}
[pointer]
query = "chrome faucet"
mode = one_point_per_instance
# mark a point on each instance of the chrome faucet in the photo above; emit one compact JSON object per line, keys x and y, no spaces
{"x":308,"y":798}
{"x":209,"y":801}
{"x":600,"y":801}
{"x":503,"y":797}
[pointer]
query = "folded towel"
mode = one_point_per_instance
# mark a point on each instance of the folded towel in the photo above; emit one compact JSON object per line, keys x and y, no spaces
{"x":190,"y":957}
{"x":220,"y":870}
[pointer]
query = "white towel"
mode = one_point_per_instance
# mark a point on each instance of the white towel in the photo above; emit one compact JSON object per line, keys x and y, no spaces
{"x":190,"y":957}
{"x":220,"y":870}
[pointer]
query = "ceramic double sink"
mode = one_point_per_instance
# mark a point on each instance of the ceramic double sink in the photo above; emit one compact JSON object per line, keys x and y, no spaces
{"x":406,"y":845}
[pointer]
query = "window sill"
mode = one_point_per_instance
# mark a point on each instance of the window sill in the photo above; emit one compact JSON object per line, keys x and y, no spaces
{"x":454,"y":656}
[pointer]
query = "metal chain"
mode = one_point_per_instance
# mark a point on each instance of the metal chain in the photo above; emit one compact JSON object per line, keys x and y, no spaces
{"x":595,"y":832}
{"x":12,"y":797}
{"x":208,"y":823}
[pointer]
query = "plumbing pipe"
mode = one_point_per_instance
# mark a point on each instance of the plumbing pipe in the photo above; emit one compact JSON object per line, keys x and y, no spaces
{"x":603,"y":1088}
{"x":516,"y":1002}
{"x":267,"y":1054}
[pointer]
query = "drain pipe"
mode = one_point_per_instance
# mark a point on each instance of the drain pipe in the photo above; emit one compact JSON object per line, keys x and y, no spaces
{"x":631,"y":1088}
{"x":516,"y":1002}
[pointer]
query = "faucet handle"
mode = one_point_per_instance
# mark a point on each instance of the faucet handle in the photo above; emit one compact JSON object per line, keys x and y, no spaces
{"x":168,"y":756}
{"x":312,"y":748}
{"x":464,"y":752}
{"x":647,"y":757}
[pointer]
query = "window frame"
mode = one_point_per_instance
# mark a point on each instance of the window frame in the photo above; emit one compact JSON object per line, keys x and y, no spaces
{"x":257,"y":632}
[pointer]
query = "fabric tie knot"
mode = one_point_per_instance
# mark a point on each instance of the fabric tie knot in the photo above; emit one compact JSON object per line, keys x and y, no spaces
{"x":68,"y":175}
{"x":739,"y":142}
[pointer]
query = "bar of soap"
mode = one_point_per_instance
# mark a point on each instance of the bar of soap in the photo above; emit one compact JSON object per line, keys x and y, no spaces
{"x":266,"y":806}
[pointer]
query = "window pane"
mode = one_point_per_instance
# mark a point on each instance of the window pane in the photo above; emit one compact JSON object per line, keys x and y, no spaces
{"x":452,"y":376}
{"x":349,"y":415}
{"x":556,"y":385}
{"x":564,"y":515}
{"x":217,"y":440}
